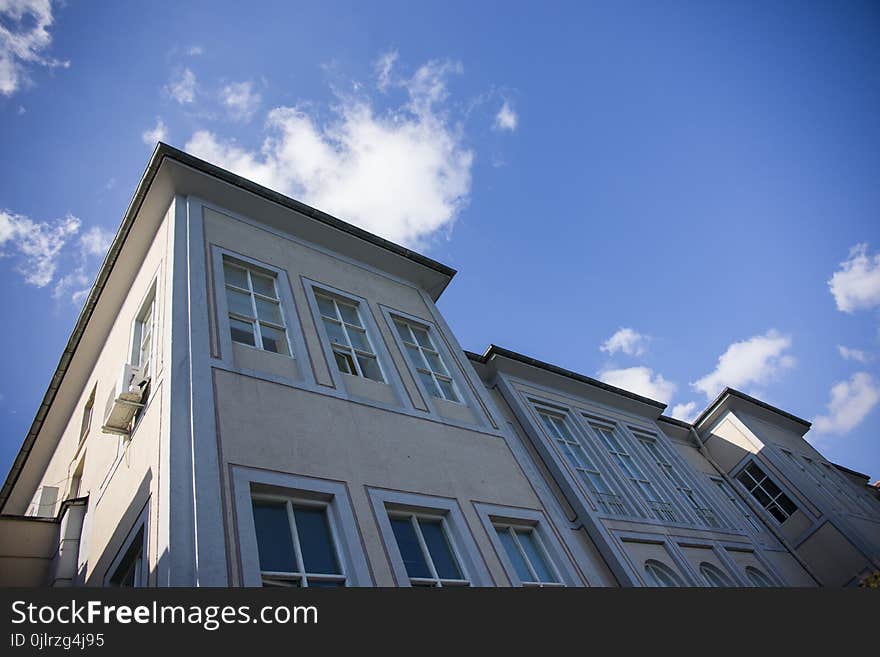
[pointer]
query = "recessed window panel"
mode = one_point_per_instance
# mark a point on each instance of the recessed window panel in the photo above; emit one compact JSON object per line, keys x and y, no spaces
{"x":315,"y":540}
{"x":273,"y":537}
{"x":410,"y":549}
{"x":438,"y":547}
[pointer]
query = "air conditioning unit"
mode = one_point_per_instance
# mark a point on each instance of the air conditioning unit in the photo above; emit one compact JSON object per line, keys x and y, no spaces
{"x":125,"y":400}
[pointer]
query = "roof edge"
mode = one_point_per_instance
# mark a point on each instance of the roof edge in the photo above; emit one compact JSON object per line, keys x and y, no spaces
{"x":495,"y":350}
{"x":733,"y":392}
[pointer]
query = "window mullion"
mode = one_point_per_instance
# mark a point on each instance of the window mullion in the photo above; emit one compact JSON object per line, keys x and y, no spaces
{"x":297,"y":548}
{"x":524,"y":555}
{"x":424,"y":546}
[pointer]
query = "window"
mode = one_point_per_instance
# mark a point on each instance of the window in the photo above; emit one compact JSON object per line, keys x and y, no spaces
{"x":254,"y":306}
{"x":715,"y":576}
{"x":425,"y":358}
{"x":658,"y":507}
{"x":661,"y":575}
{"x":705,"y":515}
{"x":528,"y":556}
{"x":758,"y":578}
{"x":428,"y":555}
{"x":867,"y":502}
{"x":739,"y":504}
{"x":87,"y":415}
{"x":766,"y":492}
{"x":577,"y":457}
{"x":348,"y":338}
{"x":296,"y":543}
{"x":142,"y":337}
{"x":130,"y":571}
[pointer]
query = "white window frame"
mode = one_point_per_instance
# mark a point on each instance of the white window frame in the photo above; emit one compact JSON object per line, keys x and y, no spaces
{"x":333,"y":495}
{"x":470,"y":562}
{"x":88,"y":415}
{"x":740,"y":505}
{"x":426,"y":368}
{"x":666,"y":464}
{"x":144,"y":323}
{"x":759,"y":484}
{"x":142,"y":569}
{"x":255,"y":320}
{"x":301,"y":575}
{"x":657,"y":507}
{"x":556,"y":557}
{"x":416,"y":518}
{"x":609,"y":502}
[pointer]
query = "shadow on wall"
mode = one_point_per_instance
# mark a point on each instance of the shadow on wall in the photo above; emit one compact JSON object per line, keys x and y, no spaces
{"x":135,"y":518}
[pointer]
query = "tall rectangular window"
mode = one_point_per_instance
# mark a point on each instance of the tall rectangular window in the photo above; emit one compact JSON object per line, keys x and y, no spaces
{"x":255,"y":315}
{"x":425,"y":358}
{"x":738,"y":504}
{"x":426,"y":549}
{"x":658,"y":507}
{"x":296,"y":543}
{"x":768,"y":494}
{"x":584,"y":466}
{"x":351,"y":346}
{"x":675,"y":478}
{"x":526,"y":552}
{"x":87,"y":414}
{"x":142,"y":338}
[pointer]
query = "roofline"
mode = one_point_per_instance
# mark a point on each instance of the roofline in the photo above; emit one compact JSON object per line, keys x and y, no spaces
{"x":160,"y":153}
{"x":495,"y":350}
{"x":853,"y":472}
{"x":736,"y":393}
{"x":674,"y":420}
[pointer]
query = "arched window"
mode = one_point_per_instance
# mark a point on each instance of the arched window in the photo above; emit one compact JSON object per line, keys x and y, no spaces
{"x":757,"y":578}
{"x":661,"y":575}
{"x":715,"y":576}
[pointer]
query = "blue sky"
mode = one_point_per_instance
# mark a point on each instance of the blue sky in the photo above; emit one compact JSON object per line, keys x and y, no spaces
{"x":673,"y":198}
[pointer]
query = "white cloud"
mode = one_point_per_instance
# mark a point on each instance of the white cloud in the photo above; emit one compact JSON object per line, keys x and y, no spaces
{"x":36,"y":245}
{"x":93,"y":246}
{"x":627,"y":340}
{"x":404,"y":174}
{"x":754,"y":361}
{"x":687,"y":412}
{"x":383,"y":68}
{"x":507,"y":118}
{"x":195,"y":51}
{"x":24,"y":37}
{"x":182,"y":86}
{"x":241,"y":100}
{"x":851,"y":401}
{"x":856,"y":285}
{"x":158,"y":132}
{"x":640,"y":380}
{"x":854,"y":354}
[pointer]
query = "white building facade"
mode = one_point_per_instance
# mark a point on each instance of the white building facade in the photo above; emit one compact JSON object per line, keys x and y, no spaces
{"x":258,"y":394}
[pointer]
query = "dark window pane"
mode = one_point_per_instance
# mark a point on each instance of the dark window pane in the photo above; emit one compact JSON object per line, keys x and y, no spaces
{"x":527,"y":540}
{"x":762,"y":497}
{"x":408,"y":544}
{"x":786,"y":503}
{"x":745,"y":480}
{"x":370,"y":367}
{"x":344,"y":362}
{"x":241,"y":332}
{"x":755,"y":471}
{"x":771,"y":488}
{"x":777,"y":513}
{"x":321,"y":584}
{"x":438,"y":547}
{"x":273,"y":340}
{"x":315,"y":541}
{"x":273,"y":537}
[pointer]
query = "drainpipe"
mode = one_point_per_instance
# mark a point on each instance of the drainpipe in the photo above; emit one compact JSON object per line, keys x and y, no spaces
{"x":773,"y":530}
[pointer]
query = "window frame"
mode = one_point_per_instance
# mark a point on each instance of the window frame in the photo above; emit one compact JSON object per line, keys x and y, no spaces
{"x":740,"y":505}
{"x":291,"y":502}
{"x":651,"y":578}
{"x":147,"y":307}
{"x":752,"y":573}
{"x":417,"y":519}
{"x":333,"y":495}
{"x":140,"y":530}
{"x":461,"y":541}
{"x":557,"y":557}
{"x":696,"y":502}
{"x":250,"y":268}
{"x":439,"y":349}
{"x":659,"y":509}
{"x":348,"y":349}
{"x":605,"y":502}
{"x":726,"y":581}
{"x":88,"y":415}
{"x":783,"y":491}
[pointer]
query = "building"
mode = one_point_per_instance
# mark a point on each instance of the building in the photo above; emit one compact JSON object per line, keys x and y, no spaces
{"x":257,"y":393}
